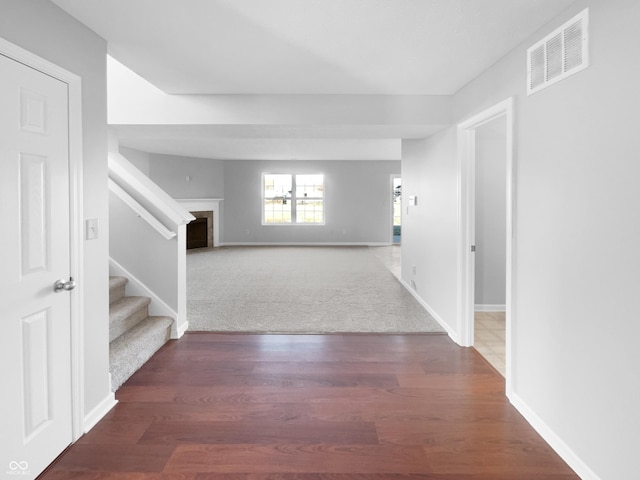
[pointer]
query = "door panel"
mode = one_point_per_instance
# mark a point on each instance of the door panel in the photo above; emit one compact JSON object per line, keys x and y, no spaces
{"x":33,"y":213}
{"x":34,"y":253}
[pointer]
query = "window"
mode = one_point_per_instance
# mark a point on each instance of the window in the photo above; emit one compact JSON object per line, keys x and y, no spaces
{"x":293,"y":199}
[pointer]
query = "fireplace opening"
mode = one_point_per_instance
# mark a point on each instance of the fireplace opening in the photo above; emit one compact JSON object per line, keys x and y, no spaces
{"x":200,"y":230}
{"x":197,"y":233}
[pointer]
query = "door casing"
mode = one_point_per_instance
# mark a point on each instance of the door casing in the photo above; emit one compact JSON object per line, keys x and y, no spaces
{"x":76,"y":236}
{"x":466,"y":224}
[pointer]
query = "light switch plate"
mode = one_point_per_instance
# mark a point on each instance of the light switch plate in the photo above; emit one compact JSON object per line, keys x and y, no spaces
{"x":91,"y":229}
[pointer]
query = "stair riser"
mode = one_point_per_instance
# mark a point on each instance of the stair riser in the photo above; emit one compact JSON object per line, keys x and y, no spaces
{"x":119,"y":326}
{"x":133,"y":336}
{"x":117,"y":288}
{"x":116,"y":294}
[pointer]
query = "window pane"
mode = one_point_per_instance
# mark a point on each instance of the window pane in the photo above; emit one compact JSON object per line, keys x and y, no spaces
{"x":397,"y":202}
{"x":310,"y":186}
{"x":277,"y":198}
{"x":277,"y":210}
{"x":277,"y":186}
{"x":309,"y":211}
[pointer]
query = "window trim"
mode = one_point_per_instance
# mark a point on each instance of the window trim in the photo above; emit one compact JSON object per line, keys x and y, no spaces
{"x":293,"y":199}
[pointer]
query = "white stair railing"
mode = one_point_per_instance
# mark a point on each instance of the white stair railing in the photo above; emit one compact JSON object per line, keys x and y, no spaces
{"x":140,"y":210}
{"x":154,"y":259}
{"x":155,"y":200}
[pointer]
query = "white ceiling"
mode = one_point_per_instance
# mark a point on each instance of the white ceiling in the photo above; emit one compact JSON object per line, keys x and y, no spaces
{"x":413,"y":47}
{"x":329,"y":47}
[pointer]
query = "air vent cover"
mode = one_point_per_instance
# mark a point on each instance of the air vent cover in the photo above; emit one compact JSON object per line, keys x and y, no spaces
{"x":560,"y":54}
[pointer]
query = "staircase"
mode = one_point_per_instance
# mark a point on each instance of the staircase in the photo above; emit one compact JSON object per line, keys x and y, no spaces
{"x":134,"y":336}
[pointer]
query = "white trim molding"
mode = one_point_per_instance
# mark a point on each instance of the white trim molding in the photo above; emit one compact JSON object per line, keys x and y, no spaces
{"x":561,"y":448}
{"x":100,"y":410}
{"x":205,"y":205}
{"x":431,"y":312}
{"x":466,"y":224}
{"x":490,"y":308}
{"x":180,"y":330}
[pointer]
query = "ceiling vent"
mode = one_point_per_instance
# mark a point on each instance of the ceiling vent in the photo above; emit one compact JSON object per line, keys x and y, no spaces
{"x":560,"y":54}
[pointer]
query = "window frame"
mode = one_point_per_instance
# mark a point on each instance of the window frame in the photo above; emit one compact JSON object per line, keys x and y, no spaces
{"x":293,"y":199}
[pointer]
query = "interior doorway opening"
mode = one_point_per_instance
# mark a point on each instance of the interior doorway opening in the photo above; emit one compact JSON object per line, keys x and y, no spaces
{"x":396,"y":189}
{"x":490,"y":241}
{"x":486,"y":240}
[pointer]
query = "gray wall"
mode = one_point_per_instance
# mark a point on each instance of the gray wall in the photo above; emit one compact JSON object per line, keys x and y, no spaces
{"x":138,"y":158}
{"x":357,"y":202}
{"x":575,"y":357}
{"x":43,"y":29}
{"x":170,"y":172}
{"x":138,"y":247}
{"x":357,"y":205}
{"x":429,"y":229}
{"x":491,"y":213}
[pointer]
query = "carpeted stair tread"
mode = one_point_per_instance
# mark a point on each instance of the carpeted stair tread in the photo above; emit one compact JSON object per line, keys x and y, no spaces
{"x":125,"y":313}
{"x":132,"y":349}
{"x":116,"y":288}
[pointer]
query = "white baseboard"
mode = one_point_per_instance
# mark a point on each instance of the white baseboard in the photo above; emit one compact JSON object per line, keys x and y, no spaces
{"x":305,"y":244}
{"x":431,"y":311}
{"x":490,"y":308}
{"x":99,"y":411}
{"x":180,"y":329}
{"x":554,"y":441}
{"x":136,"y":288}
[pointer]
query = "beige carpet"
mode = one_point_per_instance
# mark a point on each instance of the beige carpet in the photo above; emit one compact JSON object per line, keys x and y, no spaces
{"x":298,"y":290}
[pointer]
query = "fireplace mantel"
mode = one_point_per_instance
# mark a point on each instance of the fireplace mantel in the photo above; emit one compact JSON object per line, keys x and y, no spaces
{"x":205,"y":205}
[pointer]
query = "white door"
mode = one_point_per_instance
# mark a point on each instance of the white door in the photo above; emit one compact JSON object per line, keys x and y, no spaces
{"x":35,"y":346}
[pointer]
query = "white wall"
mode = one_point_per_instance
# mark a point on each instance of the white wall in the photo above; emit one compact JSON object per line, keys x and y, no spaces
{"x":170,"y":173}
{"x":357,"y":202}
{"x":137,"y":246}
{"x":429,"y":229}
{"x":43,"y":29}
{"x":138,"y":158}
{"x":575,"y":359}
{"x":206,"y":178}
{"x":491,"y":213}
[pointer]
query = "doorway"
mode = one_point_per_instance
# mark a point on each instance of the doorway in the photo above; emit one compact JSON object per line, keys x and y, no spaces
{"x":490,"y":241}
{"x":396,"y":209}
{"x":486,"y":240}
{"x":40,"y":163}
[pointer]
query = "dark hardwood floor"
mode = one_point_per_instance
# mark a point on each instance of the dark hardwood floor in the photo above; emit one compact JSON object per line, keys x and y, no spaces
{"x":337,"y":407}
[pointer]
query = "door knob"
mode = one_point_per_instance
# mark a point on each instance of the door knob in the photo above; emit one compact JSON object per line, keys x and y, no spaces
{"x":61,"y":285}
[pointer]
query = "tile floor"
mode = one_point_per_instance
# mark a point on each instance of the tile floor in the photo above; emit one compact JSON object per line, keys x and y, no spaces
{"x":391,"y":257}
{"x":490,"y":338}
